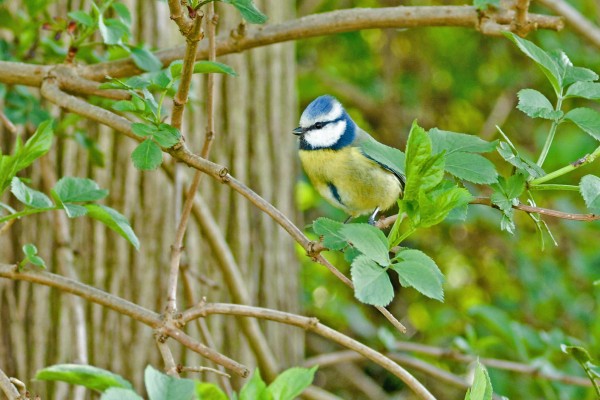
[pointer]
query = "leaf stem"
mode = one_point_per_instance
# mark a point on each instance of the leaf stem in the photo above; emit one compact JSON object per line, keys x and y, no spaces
{"x":573,"y":188}
{"x":403,"y":237}
{"x":26,"y":212}
{"x":551,"y":134}
{"x":590,"y":375}
{"x":566,"y":169}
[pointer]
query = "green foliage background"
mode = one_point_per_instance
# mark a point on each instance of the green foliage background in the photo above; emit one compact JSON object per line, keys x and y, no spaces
{"x":507,"y":296}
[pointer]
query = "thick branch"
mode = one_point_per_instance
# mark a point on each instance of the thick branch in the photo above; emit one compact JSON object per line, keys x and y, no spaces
{"x":326,"y":24}
{"x":8,"y":388}
{"x":313,"y":325}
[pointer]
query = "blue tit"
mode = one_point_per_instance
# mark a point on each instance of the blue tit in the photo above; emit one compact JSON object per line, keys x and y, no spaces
{"x":332,"y":156}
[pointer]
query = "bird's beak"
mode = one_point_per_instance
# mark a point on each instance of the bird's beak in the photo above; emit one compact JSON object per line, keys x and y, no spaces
{"x":298,"y":131}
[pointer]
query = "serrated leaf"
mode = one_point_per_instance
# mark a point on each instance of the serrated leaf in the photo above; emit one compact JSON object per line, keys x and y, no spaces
{"x":30,"y":197}
{"x":124,"y":106}
{"x":417,"y":270}
{"x":590,"y":191}
{"x":81,"y":17}
{"x":114,"y":220}
{"x":536,"y":105}
{"x":482,"y":385}
{"x":453,"y":142}
{"x":164,"y":387}
{"x":579,"y":74}
{"x":541,"y":58}
{"x":330,"y":230}
{"x":586,"y":119}
{"x":371,"y":282}
{"x":423,"y":171}
{"x":167,"y":135}
{"x":147,"y":156}
{"x":471,"y":167}
{"x":143,"y":130}
{"x":76,"y":190}
{"x":435,"y":206}
{"x":350,"y":253}
{"x":506,"y":194}
{"x":291,"y":383}
{"x":369,"y":240}
{"x":85,"y":375}
{"x":586,"y":90}
{"x":209,"y":391}
{"x":120,"y":394}
{"x":144,"y":59}
{"x":523,"y":164}
{"x":248,"y":11}
{"x":255,"y":388}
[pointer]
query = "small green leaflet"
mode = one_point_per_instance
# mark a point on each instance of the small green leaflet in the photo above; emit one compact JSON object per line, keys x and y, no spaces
{"x":577,"y":352}
{"x":482,"y":385}
{"x":29,"y":197}
{"x":255,"y":388}
{"x":454,"y":142}
{"x":85,"y":375}
{"x":209,"y":391}
{"x":435,"y":206}
{"x":371,"y":282}
{"x":31,"y":255}
{"x":586,"y":119}
{"x":75,"y":190}
{"x":147,"y":155}
{"x":202,"y":67}
{"x":536,"y":105}
{"x":291,"y":383}
{"x":144,"y":59}
{"x":590,"y":190}
{"x":585,"y":90}
{"x":330,"y":230}
{"x":423,"y":171}
{"x":81,"y":17}
{"x":122,"y":11}
{"x":506,"y":194}
{"x":167,"y":135}
{"x":248,"y":10}
{"x":524,"y":165}
{"x":546,"y":63}
{"x":369,"y":240}
{"x":416,"y":269}
{"x":114,"y":220}
{"x":164,"y":387}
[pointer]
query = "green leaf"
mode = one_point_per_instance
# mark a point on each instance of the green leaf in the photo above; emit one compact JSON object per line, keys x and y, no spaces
{"x":120,"y":394}
{"x":579,"y":74}
{"x":24,"y":155}
{"x":76,"y":190}
{"x":471,"y":167}
{"x":248,"y":10}
{"x":586,"y":119}
{"x":114,"y":220}
{"x":164,"y":387}
{"x":85,"y":375}
{"x":209,"y":391}
{"x":37,"y":261}
{"x":423,"y":171}
{"x":111,"y":30}
{"x":369,"y":240}
{"x":577,"y":352}
{"x":453,"y":142}
{"x":435,"y":206}
{"x":391,"y":158}
{"x":416,"y":269}
{"x":590,"y":191}
{"x":371,"y":282}
{"x":485,"y":4}
{"x":122,"y":11}
{"x":482,"y":385}
{"x":30,"y":250}
{"x":546,"y":63}
{"x":586,"y":90}
{"x":147,"y":156}
{"x":143,"y":130}
{"x":506,"y":194}
{"x":291,"y":383}
{"x":167,"y":135}
{"x":524,"y":165}
{"x":81,"y":17}
{"x":124,"y":106}
{"x":330,"y":230}
{"x":74,"y":210}
{"x":536,"y":105}
{"x":29,"y":197}
{"x":255,"y":388}
{"x":145,"y":60}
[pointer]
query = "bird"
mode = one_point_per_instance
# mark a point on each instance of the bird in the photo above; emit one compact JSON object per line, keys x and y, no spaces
{"x":332,"y":154}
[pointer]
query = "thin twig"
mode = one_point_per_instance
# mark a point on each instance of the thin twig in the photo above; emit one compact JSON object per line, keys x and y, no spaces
{"x":313,"y":325}
{"x":8,"y":123}
{"x":167,"y":356}
{"x":203,"y":369}
{"x":124,"y":307}
{"x":577,"y":21}
{"x":539,"y":210}
{"x":8,"y":388}
{"x":177,"y":15}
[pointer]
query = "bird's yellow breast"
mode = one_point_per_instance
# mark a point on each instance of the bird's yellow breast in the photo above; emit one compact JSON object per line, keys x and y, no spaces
{"x":349,"y":180}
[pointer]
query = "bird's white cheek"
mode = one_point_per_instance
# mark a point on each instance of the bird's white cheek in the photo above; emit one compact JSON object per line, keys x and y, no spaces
{"x":327,"y":136}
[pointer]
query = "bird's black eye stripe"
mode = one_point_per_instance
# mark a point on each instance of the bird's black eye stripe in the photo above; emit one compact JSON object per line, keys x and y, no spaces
{"x":319,"y":125}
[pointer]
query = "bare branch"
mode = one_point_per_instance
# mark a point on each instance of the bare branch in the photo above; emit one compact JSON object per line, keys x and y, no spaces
{"x":7,"y":123}
{"x":8,"y":388}
{"x":177,"y":15}
{"x":203,"y":369}
{"x":522,"y":26}
{"x":330,"y":23}
{"x":313,"y":325}
{"x":167,"y":356}
{"x":543,"y":211}
{"x":575,"y":19}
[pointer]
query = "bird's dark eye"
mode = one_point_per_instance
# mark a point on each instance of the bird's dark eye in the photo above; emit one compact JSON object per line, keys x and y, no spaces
{"x":319,"y":125}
